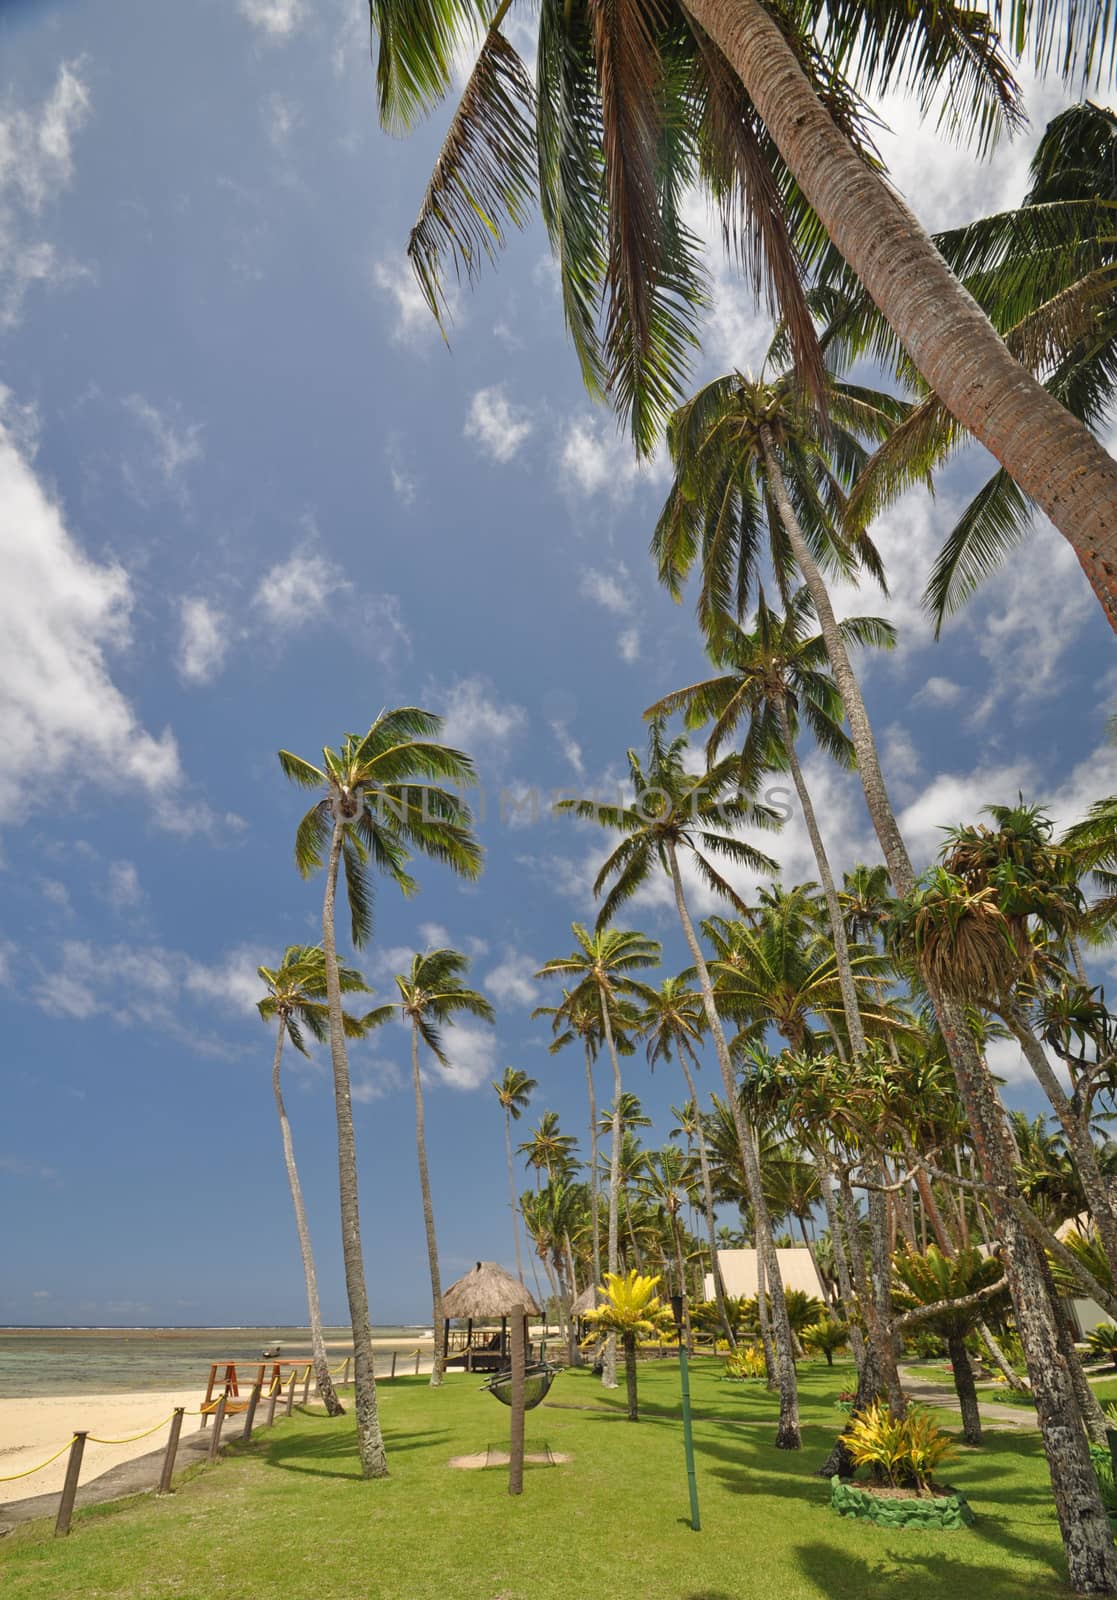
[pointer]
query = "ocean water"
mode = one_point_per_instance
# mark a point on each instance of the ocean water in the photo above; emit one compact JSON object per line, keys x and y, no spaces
{"x":55,"y":1361}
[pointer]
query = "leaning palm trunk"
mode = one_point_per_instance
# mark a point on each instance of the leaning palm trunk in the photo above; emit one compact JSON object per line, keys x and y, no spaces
{"x":1087,"y":1537}
{"x":609,"y":1367}
{"x":428,"y":1213}
{"x":1077,"y":1134}
{"x":593,"y":1169}
{"x":787,"y":1433}
{"x":370,"y":1440}
{"x":708,"y":1200}
{"x":841,"y":1260}
{"x":1051,"y":455}
{"x":314,"y":1312}
{"x":877,"y":1308}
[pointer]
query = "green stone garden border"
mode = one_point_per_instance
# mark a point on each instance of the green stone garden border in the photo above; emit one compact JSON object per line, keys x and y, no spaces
{"x":947,"y":1511}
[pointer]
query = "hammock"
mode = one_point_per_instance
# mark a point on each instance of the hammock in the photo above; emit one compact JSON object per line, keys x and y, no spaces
{"x":538,"y":1378}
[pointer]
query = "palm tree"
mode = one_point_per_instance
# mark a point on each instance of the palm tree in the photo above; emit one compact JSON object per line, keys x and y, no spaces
{"x":948,"y":1295}
{"x":633,"y":103}
{"x":580,"y":1020}
{"x":672,"y":810}
{"x":725,"y":443}
{"x":630,"y":1307}
{"x":673,"y":1021}
{"x":294,"y":1000}
{"x":601,"y":969}
{"x":1044,"y":275}
{"x":667,"y":1181}
{"x":431,"y":993}
{"x":864,"y":897}
{"x":549,"y":1150}
{"x":374,"y":807}
{"x":513,"y":1091}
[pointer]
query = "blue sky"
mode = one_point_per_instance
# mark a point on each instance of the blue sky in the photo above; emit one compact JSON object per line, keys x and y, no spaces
{"x":247,"y":497}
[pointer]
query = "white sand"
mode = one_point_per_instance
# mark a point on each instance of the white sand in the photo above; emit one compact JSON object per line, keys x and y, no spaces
{"x":32,"y":1430}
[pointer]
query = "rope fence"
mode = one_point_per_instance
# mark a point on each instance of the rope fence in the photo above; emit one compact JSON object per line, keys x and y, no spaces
{"x":215,"y":1409}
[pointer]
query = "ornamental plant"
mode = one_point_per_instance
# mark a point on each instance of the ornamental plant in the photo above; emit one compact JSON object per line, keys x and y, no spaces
{"x":902,"y":1451}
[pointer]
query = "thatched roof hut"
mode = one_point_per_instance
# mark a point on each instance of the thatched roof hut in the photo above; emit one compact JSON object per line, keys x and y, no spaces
{"x":487,"y":1292}
{"x":586,"y":1301}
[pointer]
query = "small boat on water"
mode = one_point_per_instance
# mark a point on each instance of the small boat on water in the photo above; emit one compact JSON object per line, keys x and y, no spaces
{"x":271,"y":1351}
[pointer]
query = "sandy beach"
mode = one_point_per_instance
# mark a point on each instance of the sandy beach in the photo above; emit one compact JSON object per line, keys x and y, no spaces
{"x":34,"y":1428}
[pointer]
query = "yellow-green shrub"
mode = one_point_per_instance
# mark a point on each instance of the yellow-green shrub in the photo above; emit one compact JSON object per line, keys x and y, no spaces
{"x":904,"y":1450}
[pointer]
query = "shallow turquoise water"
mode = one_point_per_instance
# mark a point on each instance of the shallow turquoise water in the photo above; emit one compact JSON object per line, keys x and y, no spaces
{"x":103,"y":1360}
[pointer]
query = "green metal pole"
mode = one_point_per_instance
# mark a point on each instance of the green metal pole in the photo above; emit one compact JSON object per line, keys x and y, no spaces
{"x":688,"y":1439}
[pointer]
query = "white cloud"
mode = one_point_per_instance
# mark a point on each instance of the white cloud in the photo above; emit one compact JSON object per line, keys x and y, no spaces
{"x":374,"y":1077}
{"x":472,"y":1056}
{"x":939,"y":692}
{"x":203,"y":640}
{"x":297,"y":591}
{"x":434,"y":935}
{"x":475,"y":719}
{"x":512,"y":981}
{"x":596,"y":458}
{"x":499,"y":427}
{"x":628,"y":644}
{"x":57,"y":895}
{"x":36,"y":166}
{"x":153,"y":987}
{"x":175,"y":446}
{"x":414,"y":323}
{"x":123,"y":890}
{"x":275,"y":19}
{"x":61,"y":615}
{"x":281,"y":118}
{"x":569,"y":746}
{"x":609,"y":589}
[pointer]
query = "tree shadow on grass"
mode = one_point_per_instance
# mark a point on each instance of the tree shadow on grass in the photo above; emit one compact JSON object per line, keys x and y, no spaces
{"x":841,"y":1575}
{"x":314,"y":1456}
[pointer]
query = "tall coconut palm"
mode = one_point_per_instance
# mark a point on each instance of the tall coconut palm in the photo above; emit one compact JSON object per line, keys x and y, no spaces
{"x":431,"y":994}
{"x":376,"y":807}
{"x":632,"y":102}
{"x":667,"y":1181}
{"x":673,"y":1022}
{"x":295,"y":1001}
{"x":513,"y":1091}
{"x":675,"y":811}
{"x":727,"y":442}
{"x":600,"y":971}
{"x":549,"y":1150}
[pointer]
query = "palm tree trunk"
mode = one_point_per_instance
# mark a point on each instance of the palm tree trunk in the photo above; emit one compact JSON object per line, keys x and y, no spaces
{"x":764,"y":1321}
{"x":428,"y":1210}
{"x":680,"y":1271}
{"x":630,"y":1376}
{"x":1051,"y":455}
{"x":595,"y":1217}
{"x":965,"y":1389}
{"x":370,"y":1440}
{"x":708,"y":1197}
{"x":511,"y":1196}
{"x":787,"y":1433}
{"x":609,"y":1368}
{"x":841,"y":1261}
{"x":1087,"y":1537}
{"x":317,"y":1344}
{"x":1079,"y":1142}
{"x":1000,"y":1360}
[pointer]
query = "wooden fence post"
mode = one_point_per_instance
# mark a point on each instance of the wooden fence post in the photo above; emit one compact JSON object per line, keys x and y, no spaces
{"x":70,"y":1487}
{"x":250,"y":1414}
{"x":416,"y":1362}
{"x":306,"y":1385}
{"x":291,"y":1395}
{"x":215,"y":1436}
{"x":273,"y":1396}
{"x":345,"y":1374}
{"x":172,"y":1450}
{"x":393,"y":1371}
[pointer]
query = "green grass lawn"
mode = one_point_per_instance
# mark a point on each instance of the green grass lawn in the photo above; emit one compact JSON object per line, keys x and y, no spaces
{"x":287,"y":1518}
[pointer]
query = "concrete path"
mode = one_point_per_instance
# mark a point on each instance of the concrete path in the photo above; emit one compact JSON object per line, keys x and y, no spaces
{"x":937,"y":1394}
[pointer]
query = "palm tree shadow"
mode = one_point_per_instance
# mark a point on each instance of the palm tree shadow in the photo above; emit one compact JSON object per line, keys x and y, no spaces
{"x":844,"y":1576}
{"x":304,"y":1456}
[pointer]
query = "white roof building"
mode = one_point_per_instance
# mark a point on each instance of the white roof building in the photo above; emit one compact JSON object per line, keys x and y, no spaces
{"x":738,"y":1271}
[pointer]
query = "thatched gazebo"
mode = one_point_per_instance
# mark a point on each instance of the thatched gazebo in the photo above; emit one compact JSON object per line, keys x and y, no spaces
{"x":486,"y":1294}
